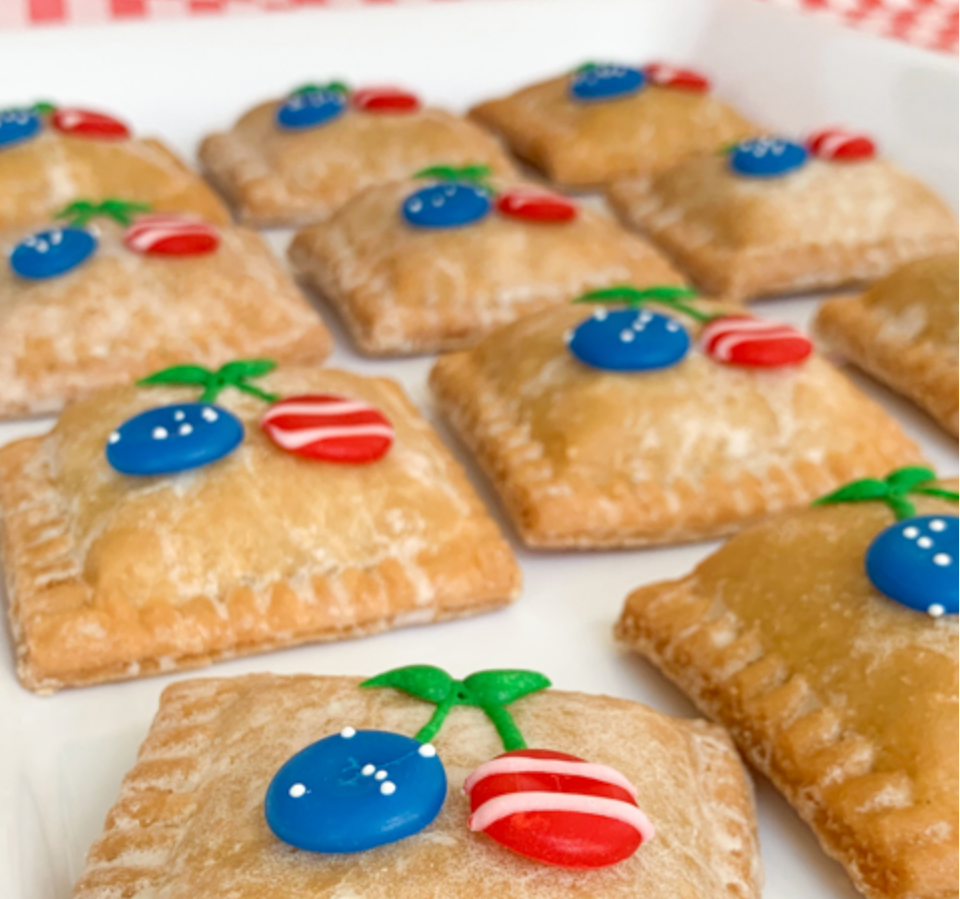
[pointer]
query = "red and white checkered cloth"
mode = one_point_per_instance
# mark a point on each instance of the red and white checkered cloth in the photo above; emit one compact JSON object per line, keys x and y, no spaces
{"x":926,"y":23}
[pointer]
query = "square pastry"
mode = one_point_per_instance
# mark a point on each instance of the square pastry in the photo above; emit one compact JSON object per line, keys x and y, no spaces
{"x":438,"y":262}
{"x":296,"y":160}
{"x":612,"y":429}
{"x":109,"y":292}
{"x":903,"y":331}
{"x":826,"y":641}
{"x":289,"y":787}
{"x":51,"y":156}
{"x":603,"y":122}
{"x":771,"y":216}
{"x":150,"y":532}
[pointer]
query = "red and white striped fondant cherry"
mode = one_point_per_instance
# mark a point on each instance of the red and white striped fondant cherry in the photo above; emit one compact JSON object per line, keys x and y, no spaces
{"x":742,"y":340}
{"x":841,"y":145}
{"x":557,"y":809}
{"x":84,"y":123}
{"x":384,"y":100}
{"x":171,"y":235}
{"x":329,"y":428}
{"x":536,"y":205}
{"x":664,"y":75}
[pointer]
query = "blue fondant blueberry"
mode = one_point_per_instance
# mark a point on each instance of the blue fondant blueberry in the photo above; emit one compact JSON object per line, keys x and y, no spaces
{"x":355,"y":791}
{"x":53,"y":252}
{"x":767,"y":157}
{"x":173,"y":438}
{"x":17,"y":125}
{"x":629,"y":340}
{"x":915,"y":563}
{"x":605,"y":82}
{"x":310,"y":109}
{"x":447,"y":205}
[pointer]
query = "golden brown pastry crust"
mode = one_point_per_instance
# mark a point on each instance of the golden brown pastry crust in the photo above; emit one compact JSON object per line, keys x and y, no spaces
{"x":189,"y":820}
{"x":403,"y":290}
{"x":842,"y":697}
{"x":41,"y":176}
{"x":903,"y":331}
{"x":111,"y":576}
{"x":274,"y":177}
{"x":122,"y":315}
{"x":824,"y":226}
{"x":590,"y":459}
{"x":591,"y":144}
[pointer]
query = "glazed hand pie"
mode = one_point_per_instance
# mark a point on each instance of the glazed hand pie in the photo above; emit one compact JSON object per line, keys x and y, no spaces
{"x":612,"y":429}
{"x":150,"y":531}
{"x":826,"y":641}
{"x":190,"y":820}
{"x":604,"y":122}
{"x":109,"y":292}
{"x":903,"y":331}
{"x":298,"y":159}
{"x":771,"y":216}
{"x":411,"y":276}
{"x":49,"y":157}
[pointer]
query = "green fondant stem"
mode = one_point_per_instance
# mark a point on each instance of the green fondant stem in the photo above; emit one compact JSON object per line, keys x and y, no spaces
{"x":506,"y":727}
{"x":432,"y":727}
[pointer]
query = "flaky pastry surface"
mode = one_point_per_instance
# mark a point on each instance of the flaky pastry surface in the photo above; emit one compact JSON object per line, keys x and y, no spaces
{"x":844,"y":698}
{"x":403,"y":289}
{"x":587,"y":458}
{"x":41,"y":176}
{"x":903,"y":331}
{"x":111,"y":576}
{"x":590,"y":144}
{"x":123,"y":314}
{"x":826,"y":225}
{"x":276,"y":177}
{"x":189,"y":821}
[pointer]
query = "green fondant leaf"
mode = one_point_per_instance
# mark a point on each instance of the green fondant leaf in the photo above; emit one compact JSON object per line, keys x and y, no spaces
{"x":503,"y":687}
{"x":423,"y":681}
{"x":905,"y":479}
{"x":586,"y":67}
{"x":472,"y":173}
{"x":619,"y":294}
{"x":667,"y":292}
{"x":939,"y":492}
{"x":246,"y":368}
{"x":44,"y":108}
{"x":857,"y":491}
{"x":179,"y":374}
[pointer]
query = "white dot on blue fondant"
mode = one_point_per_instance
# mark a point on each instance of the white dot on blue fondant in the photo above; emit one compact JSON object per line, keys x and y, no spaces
{"x":942,"y":559}
{"x":380,"y":775}
{"x":428,"y":751}
{"x":348,"y":733}
{"x":936,"y":610}
{"x":208,"y":415}
{"x":924,"y":543}
{"x":600,"y":315}
{"x":626,"y":336}
{"x":185,"y":430}
{"x":297,"y":790}
{"x":388,"y":789}
{"x":179,"y":415}
{"x":415,"y":206}
{"x":368,"y":770}
{"x":938,"y":524}
{"x":437,"y":201}
{"x":114,"y":437}
{"x":159,"y":434}
{"x":911,"y":533}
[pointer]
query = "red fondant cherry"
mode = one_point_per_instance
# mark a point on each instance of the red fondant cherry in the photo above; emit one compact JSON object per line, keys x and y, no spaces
{"x":84,"y":123}
{"x":742,"y":340}
{"x":557,"y":809}
{"x":535,"y":205}
{"x":329,"y":428}
{"x":171,"y":235}
{"x":841,"y":145}
{"x":664,"y":75}
{"x":385,"y":100}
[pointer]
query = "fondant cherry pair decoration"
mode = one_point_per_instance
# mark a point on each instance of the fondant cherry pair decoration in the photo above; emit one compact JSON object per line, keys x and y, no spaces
{"x":183,"y":436}
{"x":595,"y":82}
{"x":59,"y":250}
{"x":317,"y":104}
{"x":913,"y":562}
{"x":361,"y":789}
{"x":462,"y":196}
{"x":640,"y":339}
{"x":771,"y":157}
{"x":18,"y":125}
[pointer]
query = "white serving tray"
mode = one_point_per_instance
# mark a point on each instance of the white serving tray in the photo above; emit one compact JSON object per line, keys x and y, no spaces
{"x":62,"y":758}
